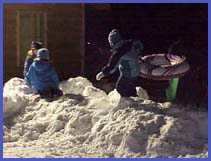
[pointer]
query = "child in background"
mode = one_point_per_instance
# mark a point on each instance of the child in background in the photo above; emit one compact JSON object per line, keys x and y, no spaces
{"x":42,"y":76}
{"x":31,"y":55}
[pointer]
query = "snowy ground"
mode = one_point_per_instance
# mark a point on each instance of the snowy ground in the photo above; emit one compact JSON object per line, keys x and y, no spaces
{"x":82,"y":124}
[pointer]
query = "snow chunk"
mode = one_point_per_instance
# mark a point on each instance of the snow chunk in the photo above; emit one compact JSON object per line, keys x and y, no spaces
{"x":15,"y":96}
{"x":75,"y":85}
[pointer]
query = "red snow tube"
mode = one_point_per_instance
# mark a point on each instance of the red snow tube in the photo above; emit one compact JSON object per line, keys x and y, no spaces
{"x":163,"y":66}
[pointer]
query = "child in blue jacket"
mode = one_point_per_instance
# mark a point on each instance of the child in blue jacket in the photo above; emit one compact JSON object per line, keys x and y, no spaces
{"x":42,"y":76}
{"x":125,"y":56}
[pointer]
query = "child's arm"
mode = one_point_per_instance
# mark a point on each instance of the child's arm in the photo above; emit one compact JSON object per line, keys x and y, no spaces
{"x":138,"y":46}
{"x":110,"y":67}
{"x":28,"y":62}
{"x":112,"y":64}
{"x":28,"y":75}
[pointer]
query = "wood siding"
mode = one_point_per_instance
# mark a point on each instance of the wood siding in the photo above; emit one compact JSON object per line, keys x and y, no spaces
{"x":64,"y":34}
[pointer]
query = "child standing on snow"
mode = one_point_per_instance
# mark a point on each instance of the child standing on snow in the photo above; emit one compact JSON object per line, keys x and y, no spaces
{"x":42,"y":76}
{"x":125,"y":56}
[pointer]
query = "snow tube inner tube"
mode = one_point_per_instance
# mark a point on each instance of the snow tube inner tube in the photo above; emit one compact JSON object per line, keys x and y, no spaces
{"x":163,"y":66}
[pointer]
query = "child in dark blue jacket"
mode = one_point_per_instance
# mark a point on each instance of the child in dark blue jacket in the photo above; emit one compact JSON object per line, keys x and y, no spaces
{"x":125,"y":56}
{"x":42,"y":76}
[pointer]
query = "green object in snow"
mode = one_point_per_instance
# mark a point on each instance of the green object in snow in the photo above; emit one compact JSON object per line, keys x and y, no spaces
{"x":171,"y":91}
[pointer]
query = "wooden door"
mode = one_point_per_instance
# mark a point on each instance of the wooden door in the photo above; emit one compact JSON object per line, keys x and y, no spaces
{"x":31,"y":26}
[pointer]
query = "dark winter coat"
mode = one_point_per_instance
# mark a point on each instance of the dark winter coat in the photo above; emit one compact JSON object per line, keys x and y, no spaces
{"x":125,"y":56}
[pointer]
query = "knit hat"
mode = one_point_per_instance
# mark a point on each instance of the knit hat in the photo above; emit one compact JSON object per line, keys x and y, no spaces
{"x":36,"y":45}
{"x":43,"y":53}
{"x":114,"y":37}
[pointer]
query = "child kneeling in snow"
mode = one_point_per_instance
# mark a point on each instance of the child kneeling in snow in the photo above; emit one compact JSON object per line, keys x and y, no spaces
{"x":42,"y":76}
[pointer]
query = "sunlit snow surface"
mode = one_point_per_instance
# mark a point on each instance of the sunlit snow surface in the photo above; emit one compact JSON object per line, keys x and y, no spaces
{"x":82,"y":123}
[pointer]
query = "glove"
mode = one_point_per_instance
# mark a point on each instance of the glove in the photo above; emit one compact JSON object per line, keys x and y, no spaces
{"x":99,"y":76}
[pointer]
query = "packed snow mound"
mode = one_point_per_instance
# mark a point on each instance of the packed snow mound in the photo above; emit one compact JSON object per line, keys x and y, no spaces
{"x":15,"y":93}
{"x":75,"y":85}
{"x":82,"y":123}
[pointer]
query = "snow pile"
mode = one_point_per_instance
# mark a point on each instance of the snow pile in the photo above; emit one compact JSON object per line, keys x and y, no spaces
{"x":82,"y":124}
{"x":15,"y":93}
{"x":75,"y":85}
